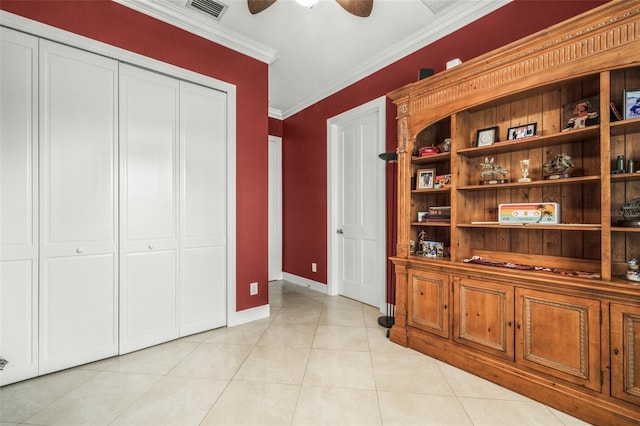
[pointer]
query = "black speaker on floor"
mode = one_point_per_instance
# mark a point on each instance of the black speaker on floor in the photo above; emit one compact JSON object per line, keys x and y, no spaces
{"x":425,"y":72}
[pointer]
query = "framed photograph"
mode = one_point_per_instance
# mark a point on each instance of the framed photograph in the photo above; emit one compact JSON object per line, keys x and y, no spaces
{"x":486,"y":137}
{"x":581,"y":114}
{"x":521,"y":132}
{"x":631,"y":104}
{"x":422,"y":216}
{"x":425,"y":178}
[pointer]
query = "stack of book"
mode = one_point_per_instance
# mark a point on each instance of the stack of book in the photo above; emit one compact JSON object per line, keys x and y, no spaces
{"x":439,"y":214}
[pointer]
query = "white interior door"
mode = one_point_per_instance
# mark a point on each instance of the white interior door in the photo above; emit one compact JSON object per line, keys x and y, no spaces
{"x":78,"y":205}
{"x":203,"y":224}
{"x":275,"y":208}
{"x":149,"y":214}
{"x":18,"y":205}
{"x":358,"y":203}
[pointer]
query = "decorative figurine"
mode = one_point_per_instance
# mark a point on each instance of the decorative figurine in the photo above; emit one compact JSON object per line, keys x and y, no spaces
{"x":492,"y":170}
{"x":422,"y":237}
{"x":632,"y":271}
{"x":524,"y":168}
{"x":557,"y":167}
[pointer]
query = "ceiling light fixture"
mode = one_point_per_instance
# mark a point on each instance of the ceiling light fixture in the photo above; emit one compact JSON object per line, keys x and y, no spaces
{"x":307,"y":3}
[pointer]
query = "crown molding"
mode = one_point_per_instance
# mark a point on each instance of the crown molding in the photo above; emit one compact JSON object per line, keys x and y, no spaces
{"x":180,"y":16}
{"x":451,"y":20}
{"x":275,"y":113}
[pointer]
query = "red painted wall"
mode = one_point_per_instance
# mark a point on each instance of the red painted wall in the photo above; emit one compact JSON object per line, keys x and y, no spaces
{"x":120,"y":26}
{"x":275,"y":127}
{"x":305,"y":142}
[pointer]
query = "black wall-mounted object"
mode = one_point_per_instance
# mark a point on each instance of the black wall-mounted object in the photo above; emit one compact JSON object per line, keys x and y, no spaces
{"x":425,"y":72}
{"x":389,"y":156}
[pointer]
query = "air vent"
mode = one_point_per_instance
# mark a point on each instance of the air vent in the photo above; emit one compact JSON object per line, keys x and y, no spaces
{"x":210,"y":7}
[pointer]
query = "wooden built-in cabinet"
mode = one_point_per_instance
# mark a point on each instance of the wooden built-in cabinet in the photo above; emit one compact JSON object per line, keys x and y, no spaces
{"x":553,"y":316}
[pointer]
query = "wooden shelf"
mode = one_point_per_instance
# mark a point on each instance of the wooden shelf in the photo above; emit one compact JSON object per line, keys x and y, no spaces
{"x":443,"y":156}
{"x":572,"y":136}
{"x":424,"y":191}
{"x":536,"y":183}
{"x":443,"y":224}
{"x":624,"y":229}
{"x":619,"y":128}
{"x":625,"y":177}
{"x":531,"y":226}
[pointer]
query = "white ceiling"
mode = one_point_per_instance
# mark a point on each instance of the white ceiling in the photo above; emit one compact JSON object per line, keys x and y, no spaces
{"x":315,"y":52}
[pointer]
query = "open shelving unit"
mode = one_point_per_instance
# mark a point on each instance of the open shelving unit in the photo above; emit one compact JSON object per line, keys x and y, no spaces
{"x":495,"y":318}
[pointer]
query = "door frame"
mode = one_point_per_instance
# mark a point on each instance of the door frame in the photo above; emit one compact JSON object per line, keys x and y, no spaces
{"x":275,"y":208}
{"x":39,"y":29}
{"x":333,"y":126}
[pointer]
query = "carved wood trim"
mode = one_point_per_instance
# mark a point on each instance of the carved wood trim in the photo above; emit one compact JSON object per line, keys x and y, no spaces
{"x":630,"y":386}
{"x":550,"y":56}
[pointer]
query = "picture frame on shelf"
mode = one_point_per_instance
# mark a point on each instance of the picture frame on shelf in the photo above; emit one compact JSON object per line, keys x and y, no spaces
{"x":488,"y":136}
{"x":631,"y":103}
{"x":422,"y":216}
{"x":581,"y":114}
{"x":425,"y":178}
{"x":522,"y":132}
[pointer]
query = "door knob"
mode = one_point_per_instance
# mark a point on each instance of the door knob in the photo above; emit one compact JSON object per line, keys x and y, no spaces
{"x":339,"y":231}
{"x":150,"y":246}
{"x":79,"y":250}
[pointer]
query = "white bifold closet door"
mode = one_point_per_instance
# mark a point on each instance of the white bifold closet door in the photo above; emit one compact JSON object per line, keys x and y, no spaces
{"x":18,"y":206}
{"x":173,"y":208}
{"x":78,"y":207}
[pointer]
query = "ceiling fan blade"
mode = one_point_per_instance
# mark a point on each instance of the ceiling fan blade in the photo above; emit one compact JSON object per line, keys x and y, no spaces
{"x":257,"y":6}
{"x":360,"y":8}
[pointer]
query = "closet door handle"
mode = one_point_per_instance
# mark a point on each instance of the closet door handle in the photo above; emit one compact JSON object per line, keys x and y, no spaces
{"x":79,"y":250}
{"x":150,"y":246}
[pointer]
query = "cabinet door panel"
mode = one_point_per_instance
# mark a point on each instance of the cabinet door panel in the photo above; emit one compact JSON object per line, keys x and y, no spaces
{"x":625,"y":352}
{"x":429,"y":302}
{"x":78,"y":205}
{"x":483,"y":315}
{"x":18,"y":206}
{"x":148,"y":297}
{"x":559,"y":335}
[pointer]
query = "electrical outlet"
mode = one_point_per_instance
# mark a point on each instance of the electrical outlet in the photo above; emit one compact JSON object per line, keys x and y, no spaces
{"x":314,"y":267}
{"x":253,"y":289}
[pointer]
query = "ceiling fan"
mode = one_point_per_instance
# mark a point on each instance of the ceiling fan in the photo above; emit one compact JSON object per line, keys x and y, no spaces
{"x":360,"y":8}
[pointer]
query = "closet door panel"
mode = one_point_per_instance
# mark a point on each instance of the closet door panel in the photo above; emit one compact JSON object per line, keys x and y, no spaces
{"x":150,"y":310}
{"x":203,"y":200}
{"x":75,"y":313}
{"x":18,"y":206}
{"x":78,"y":205}
{"x":149,"y":213}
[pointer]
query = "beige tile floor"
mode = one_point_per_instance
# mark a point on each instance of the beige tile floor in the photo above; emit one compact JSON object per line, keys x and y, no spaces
{"x":318,"y":360}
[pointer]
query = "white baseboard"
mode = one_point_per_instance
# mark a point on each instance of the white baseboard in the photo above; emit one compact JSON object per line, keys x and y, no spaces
{"x":305,"y":282}
{"x":248,"y":315}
